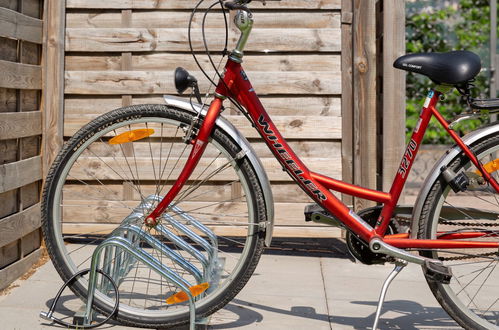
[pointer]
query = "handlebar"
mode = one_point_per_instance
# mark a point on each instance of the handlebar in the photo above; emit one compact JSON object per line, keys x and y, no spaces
{"x":241,"y":4}
{"x":235,"y":5}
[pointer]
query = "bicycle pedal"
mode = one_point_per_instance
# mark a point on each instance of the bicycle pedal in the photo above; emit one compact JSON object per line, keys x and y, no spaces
{"x":436,"y":272}
{"x":315,"y":213}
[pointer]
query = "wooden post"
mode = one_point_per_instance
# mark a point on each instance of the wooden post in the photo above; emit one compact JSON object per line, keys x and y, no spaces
{"x":364,"y":96}
{"x":393,"y":105}
{"x":53,"y":84}
{"x":346,"y":95}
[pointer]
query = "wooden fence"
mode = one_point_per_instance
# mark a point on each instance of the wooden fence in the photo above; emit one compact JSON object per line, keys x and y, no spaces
{"x":119,"y":53}
{"x":312,"y":62}
{"x":20,"y":136}
{"x":317,"y":65}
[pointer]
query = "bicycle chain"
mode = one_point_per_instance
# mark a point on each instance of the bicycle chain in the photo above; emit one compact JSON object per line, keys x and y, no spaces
{"x":407,"y":221}
{"x":455,"y":223}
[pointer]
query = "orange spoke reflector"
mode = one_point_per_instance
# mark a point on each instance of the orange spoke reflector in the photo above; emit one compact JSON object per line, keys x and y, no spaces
{"x":181,"y":296}
{"x":490,"y":167}
{"x":136,"y":134}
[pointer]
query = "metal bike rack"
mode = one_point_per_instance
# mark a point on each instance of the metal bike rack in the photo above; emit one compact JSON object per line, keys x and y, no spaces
{"x":121,"y":251}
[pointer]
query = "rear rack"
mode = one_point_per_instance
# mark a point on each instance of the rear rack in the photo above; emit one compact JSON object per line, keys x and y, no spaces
{"x":485,"y":104}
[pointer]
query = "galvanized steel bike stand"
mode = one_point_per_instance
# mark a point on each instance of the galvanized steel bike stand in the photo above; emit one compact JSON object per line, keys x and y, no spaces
{"x":122,"y":250}
{"x":399,"y":265}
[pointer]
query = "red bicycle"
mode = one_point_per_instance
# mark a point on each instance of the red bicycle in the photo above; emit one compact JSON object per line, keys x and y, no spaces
{"x":186,"y":176}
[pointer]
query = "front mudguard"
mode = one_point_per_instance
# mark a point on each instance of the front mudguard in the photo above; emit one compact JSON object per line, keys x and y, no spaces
{"x":247,"y":149}
{"x":435,"y":173}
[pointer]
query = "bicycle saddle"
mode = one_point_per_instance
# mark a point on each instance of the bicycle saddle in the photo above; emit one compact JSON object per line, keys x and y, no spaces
{"x":451,"y":68}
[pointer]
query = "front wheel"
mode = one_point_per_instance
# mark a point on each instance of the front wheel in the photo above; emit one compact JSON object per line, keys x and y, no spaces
{"x":472,"y":297}
{"x":112,"y":173}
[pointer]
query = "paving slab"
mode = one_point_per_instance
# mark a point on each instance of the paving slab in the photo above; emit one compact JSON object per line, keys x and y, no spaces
{"x":291,"y":289}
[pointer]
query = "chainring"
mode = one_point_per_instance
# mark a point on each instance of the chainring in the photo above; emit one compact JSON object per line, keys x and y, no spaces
{"x":359,"y":249}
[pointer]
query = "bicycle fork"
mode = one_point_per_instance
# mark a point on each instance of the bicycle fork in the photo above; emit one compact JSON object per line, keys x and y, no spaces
{"x":199,"y":145}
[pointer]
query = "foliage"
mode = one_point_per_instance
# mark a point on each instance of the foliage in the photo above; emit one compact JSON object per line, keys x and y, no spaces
{"x":465,"y":27}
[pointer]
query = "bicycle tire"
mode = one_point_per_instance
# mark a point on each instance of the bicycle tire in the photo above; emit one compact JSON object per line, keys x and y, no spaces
{"x":471,"y":297}
{"x":79,"y":178}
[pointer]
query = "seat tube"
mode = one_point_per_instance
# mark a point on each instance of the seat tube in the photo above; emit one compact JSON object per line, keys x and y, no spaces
{"x":407,"y":160}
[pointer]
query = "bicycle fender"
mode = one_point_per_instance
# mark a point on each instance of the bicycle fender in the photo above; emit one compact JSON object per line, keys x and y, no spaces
{"x":435,"y":172}
{"x":247,"y":149}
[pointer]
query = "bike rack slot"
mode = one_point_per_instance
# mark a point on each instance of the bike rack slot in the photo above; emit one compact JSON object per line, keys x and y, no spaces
{"x":120,"y":253}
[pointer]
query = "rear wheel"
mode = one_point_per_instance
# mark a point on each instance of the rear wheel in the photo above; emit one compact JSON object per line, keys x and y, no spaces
{"x":112,"y":173}
{"x":472,"y":297}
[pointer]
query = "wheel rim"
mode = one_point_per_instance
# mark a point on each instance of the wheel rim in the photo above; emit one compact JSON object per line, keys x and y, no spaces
{"x":160,"y":310}
{"x":471,"y":288}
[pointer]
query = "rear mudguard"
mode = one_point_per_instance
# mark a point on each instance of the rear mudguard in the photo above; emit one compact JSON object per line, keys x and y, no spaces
{"x":435,"y":173}
{"x":228,"y":128}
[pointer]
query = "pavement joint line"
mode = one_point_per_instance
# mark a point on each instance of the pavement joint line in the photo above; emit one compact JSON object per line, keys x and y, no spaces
{"x":329,"y":318}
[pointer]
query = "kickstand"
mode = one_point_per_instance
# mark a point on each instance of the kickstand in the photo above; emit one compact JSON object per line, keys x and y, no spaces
{"x":399,"y":265}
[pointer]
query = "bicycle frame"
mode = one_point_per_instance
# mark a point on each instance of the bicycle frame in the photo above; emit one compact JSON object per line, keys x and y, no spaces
{"x":236,"y":83}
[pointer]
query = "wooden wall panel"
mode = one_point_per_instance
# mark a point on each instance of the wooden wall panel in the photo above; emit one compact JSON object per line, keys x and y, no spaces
{"x":124,"y":52}
{"x":20,"y":136}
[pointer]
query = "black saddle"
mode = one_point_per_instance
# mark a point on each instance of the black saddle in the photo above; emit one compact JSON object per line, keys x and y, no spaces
{"x":451,"y":68}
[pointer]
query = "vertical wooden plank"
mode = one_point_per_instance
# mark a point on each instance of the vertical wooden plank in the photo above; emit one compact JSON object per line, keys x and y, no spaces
{"x":364,"y":96}
{"x":346,"y":95}
{"x":53,"y":73}
{"x":393,"y":89}
{"x":126,"y":100}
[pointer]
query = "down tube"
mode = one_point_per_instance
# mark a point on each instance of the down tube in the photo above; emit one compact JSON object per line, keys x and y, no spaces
{"x":289,"y":160}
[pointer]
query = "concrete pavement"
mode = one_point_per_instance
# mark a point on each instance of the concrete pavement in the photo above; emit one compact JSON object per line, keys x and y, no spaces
{"x":295,"y":286}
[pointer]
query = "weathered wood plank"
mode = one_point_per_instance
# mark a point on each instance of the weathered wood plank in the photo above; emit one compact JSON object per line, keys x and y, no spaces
{"x":32,"y":8}
{"x":189,"y":4}
{"x":155,"y":39}
{"x":10,"y":4}
{"x":296,"y":127}
{"x":18,"y":174}
{"x":170,"y":61}
{"x":14,"y":125}
{"x":175,"y":19}
{"x":275,"y":106}
{"x":279,"y":231}
{"x":160,"y":82}
{"x":53,"y":65}
{"x":30,"y":194}
{"x":8,"y":203}
{"x":113,"y":212}
{"x":20,"y":76}
{"x":364,"y":97}
{"x":14,"y":271}
{"x":9,"y":253}
{"x":8,"y":151}
{"x":18,"y":26}
{"x":304,"y":148}
{"x":116,"y":168}
{"x":19,"y":224}
{"x":393,"y":90}
{"x":347,"y":126}
{"x":31,"y":242}
{"x":285,"y":192}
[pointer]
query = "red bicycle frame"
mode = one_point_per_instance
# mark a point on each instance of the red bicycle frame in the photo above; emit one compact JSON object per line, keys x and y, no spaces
{"x":236,"y":83}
